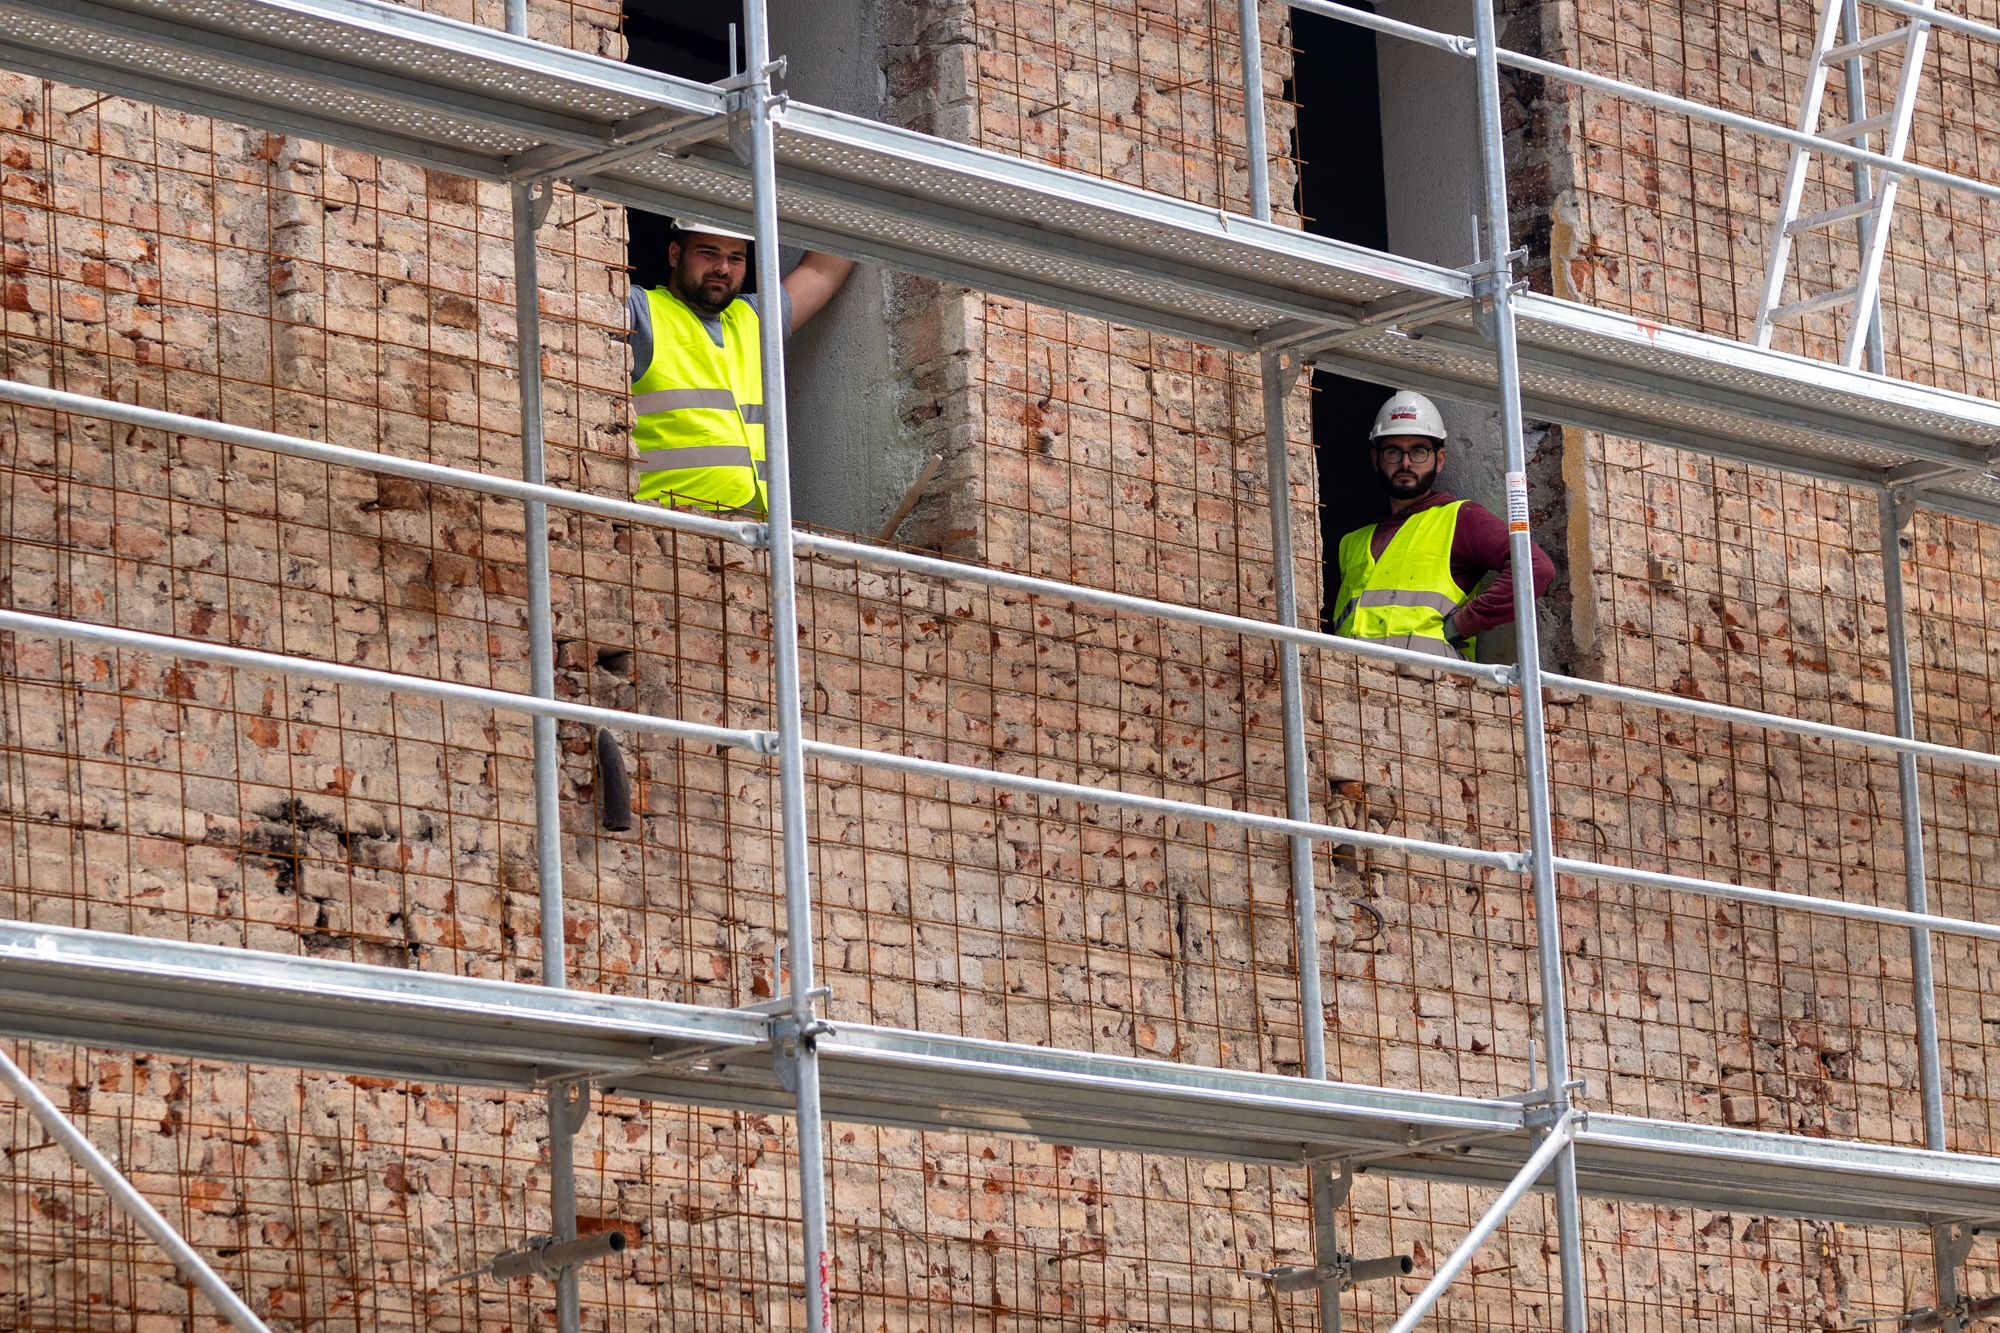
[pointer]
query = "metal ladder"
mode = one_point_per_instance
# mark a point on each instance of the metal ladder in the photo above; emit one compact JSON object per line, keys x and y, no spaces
{"x":1839,"y":43}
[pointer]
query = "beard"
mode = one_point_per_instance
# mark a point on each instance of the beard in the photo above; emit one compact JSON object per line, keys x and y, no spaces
{"x":1409,"y":490}
{"x":711,"y":298}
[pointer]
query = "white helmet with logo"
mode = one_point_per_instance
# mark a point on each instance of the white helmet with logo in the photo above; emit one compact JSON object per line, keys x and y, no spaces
{"x":710,"y":229}
{"x":1408,"y":413}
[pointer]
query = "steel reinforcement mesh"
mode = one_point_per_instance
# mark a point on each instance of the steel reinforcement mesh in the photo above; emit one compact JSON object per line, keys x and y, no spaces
{"x":198,"y":267}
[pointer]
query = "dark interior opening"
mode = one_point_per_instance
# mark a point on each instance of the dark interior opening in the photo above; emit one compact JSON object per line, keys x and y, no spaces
{"x":1341,"y":194}
{"x":690,"y":42}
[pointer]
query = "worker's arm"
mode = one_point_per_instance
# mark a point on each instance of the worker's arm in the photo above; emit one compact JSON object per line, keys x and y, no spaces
{"x":812,"y":284}
{"x":1479,"y":544}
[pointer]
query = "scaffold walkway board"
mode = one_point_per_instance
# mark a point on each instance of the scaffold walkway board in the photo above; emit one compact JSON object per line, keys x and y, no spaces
{"x":130,"y":993}
{"x":404,"y":84}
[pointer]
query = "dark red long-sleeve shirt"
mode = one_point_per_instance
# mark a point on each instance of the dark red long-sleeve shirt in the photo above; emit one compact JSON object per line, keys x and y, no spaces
{"x":1478,"y":544}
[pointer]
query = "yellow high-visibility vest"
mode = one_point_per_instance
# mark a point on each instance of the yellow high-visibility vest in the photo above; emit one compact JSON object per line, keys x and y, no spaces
{"x":1403,"y":598}
{"x":699,"y":437}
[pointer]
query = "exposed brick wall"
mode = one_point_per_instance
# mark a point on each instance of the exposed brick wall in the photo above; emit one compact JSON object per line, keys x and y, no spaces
{"x":207,"y":268}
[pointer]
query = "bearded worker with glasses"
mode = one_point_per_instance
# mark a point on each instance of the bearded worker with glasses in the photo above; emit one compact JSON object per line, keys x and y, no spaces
{"x":1408,"y":578}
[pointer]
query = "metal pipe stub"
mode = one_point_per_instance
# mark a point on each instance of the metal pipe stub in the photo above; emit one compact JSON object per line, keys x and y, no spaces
{"x":1346,"y":1270}
{"x":613,"y":786}
{"x":546,"y":1257}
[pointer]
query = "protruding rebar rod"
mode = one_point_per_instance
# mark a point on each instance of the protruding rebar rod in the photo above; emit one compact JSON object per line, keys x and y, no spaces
{"x":789,"y":715}
{"x":1256,"y":151}
{"x":106,"y":1173}
{"x":1534,"y":733}
{"x":1291,"y":689}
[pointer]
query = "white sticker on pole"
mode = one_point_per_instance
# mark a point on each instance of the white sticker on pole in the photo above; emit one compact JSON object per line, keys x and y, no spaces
{"x":1517,"y":502}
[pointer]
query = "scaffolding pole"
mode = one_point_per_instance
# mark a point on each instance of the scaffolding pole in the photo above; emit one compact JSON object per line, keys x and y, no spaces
{"x":563,"y":1124}
{"x":797,"y":1031}
{"x":106,"y":1173}
{"x":1534,"y":731}
{"x":1291,"y":691}
{"x":564,"y":1119}
{"x":1946,"y":1250}
{"x":1249,"y":28}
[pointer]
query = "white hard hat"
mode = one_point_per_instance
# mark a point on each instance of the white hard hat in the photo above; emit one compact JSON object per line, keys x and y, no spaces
{"x":1408,"y":413}
{"x":710,"y":229}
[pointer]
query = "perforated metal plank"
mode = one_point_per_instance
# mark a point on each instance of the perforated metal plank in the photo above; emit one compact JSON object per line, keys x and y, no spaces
{"x":924,"y":1081}
{"x":127,"y":993}
{"x":133,"y":994}
{"x":395,"y":81}
{"x":384,"y":79}
{"x":1604,"y":371}
{"x":1016,"y":228}
{"x":1674,"y":1164}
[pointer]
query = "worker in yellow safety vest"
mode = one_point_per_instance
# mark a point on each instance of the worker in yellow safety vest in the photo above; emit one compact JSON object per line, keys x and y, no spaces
{"x":1409,"y":578}
{"x":697,"y":369}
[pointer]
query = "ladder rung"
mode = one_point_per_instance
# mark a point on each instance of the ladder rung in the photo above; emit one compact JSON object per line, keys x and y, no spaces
{"x":1854,"y":129}
{"x":1840,"y":55}
{"x":1813,"y":303}
{"x":1833,"y":215}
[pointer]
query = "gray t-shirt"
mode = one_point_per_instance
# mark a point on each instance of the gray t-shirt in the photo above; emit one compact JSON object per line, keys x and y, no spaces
{"x":639,"y":314}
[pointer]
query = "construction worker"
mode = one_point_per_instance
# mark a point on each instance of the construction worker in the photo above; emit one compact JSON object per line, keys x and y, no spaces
{"x":1407,"y":579}
{"x":697,"y":376}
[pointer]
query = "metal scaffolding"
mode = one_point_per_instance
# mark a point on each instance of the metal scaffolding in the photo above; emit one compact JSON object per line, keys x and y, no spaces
{"x":502,"y":108}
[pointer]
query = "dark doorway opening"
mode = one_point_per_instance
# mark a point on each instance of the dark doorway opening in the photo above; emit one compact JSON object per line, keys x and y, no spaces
{"x":1341,"y":194}
{"x":690,"y":42}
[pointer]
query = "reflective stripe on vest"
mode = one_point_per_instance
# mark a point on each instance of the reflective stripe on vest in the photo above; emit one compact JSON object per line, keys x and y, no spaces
{"x":1403,"y":598}
{"x":699,"y":435}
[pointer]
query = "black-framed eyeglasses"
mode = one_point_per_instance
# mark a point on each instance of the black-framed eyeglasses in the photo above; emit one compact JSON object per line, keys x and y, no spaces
{"x":1419,"y":454}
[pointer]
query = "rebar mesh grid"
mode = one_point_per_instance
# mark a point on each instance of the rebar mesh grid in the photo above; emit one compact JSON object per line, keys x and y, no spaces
{"x":1749,"y":587}
{"x":1099,"y":450}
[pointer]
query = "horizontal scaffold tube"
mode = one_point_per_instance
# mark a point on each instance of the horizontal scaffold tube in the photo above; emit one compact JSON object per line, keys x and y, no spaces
{"x":1160,"y":805}
{"x":318,"y":451}
{"x":311,"y":668}
{"x":765,"y":742}
{"x":986,"y":576}
{"x":752,"y":534}
{"x":1750,"y":717}
{"x":1799,"y":902}
{"x":1463,"y":46}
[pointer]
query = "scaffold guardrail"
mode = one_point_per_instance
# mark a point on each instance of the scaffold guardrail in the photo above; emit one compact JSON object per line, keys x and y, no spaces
{"x":403,"y":84}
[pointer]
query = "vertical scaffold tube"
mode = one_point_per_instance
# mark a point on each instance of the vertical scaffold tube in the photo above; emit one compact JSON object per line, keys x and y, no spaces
{"x":785,"y":655}
{"x":1534,"y":734}
{"x":1277,"y":467}
{"x":1298,"y":792}
{"x":1915,"y":892}
{"x":1256,"y":153}
{"x":542,"y":681}
{"x":1945,"y":1253}
{"x":542,"y":684}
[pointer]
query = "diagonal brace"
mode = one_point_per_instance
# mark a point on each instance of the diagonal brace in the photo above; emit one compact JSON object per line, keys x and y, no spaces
{"x":106,"y":1174}
{"x":1544,"y":1157}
